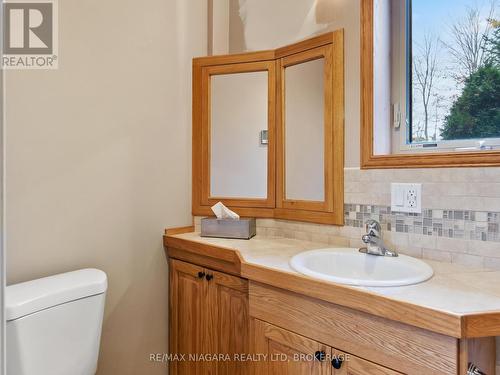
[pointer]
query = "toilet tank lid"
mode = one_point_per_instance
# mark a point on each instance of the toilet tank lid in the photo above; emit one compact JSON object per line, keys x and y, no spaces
{"x":35,"y":295}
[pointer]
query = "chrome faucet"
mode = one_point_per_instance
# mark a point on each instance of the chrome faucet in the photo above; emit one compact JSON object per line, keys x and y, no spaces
{"x":373,"y":240}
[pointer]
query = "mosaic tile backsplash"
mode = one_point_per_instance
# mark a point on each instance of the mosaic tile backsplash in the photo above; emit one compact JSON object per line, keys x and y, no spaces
{"x":458,"y":224}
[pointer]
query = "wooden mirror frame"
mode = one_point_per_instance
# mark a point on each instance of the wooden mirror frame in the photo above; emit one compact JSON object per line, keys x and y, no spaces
{"x":329,"y":212}
{"x":331,"y":209}
{"x":207,"y":72}
{"x":421,"y":160}
{"x":203,"y":69}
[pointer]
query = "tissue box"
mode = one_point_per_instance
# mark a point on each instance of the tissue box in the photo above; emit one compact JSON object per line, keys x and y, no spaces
{"x":228,"y":228}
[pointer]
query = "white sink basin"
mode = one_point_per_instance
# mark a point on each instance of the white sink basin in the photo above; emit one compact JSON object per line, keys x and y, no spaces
{"x":349,"y":266}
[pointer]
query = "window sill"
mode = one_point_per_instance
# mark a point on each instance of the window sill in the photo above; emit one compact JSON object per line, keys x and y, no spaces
{"x":431,"y":160}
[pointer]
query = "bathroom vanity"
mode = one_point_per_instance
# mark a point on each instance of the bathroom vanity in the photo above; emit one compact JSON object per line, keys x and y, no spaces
{"x":240,"y":298}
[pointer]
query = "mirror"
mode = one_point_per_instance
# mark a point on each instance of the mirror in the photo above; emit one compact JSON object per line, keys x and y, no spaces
{"x":238,"y":156}
{"x":304,"y":131}
{"x":310,"y":135}
{"x":233,"y":133}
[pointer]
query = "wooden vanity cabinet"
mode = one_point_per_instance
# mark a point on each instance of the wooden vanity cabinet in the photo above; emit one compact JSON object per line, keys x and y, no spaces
{"x":187,"y":316}
{"x":208,"y":314}
{"x":357,"y":366}
{"x":287,"y":353}
{"x":213,"y":312}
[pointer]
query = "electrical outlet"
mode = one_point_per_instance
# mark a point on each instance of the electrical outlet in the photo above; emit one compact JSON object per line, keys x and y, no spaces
{"x":406,"y":197}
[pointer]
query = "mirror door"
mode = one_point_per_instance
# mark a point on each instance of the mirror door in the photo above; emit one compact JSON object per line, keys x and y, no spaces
{"x":310,"y":135}
{"x":238,"y":115}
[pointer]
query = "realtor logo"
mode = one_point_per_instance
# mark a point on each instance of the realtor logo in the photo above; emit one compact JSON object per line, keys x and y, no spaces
{"x":30,"y":34}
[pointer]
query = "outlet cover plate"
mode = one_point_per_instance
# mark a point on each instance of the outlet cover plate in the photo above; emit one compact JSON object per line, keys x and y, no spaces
{"x":406,"y":197}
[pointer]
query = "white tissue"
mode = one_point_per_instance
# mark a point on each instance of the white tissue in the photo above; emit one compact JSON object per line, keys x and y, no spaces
{"x":222,"y":212}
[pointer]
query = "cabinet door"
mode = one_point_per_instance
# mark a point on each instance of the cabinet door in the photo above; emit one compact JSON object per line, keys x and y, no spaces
{"x":350,"y":365}
{"x":228,"y":326}
{"x":187,"y":317}
{"x":286,"y":353}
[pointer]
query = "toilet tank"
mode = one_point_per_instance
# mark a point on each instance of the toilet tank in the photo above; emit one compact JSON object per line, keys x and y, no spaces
{"x":54,"y":324}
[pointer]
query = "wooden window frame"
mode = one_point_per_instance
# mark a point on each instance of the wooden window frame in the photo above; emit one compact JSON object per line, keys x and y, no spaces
{"x":329,"y":212}
{"x":416,"y":160}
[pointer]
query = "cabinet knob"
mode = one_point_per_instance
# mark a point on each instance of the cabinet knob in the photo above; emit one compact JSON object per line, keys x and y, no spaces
{"x":209,"y":277}
{"x":336,"y":363}
{"x":201,"y":275}
{"x":320,"y":355}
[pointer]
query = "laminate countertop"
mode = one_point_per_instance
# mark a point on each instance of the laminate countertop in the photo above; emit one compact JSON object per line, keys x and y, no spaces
{"x":458,"y":301}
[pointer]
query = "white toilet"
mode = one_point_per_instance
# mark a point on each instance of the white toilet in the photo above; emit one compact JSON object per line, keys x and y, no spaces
{"x":54,"y":324}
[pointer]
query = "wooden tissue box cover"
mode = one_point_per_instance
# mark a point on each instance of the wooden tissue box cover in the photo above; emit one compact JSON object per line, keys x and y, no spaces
{"x":228,"y":228}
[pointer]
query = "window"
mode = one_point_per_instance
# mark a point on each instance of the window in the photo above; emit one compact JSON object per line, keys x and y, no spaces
{"x":454,"y":123}
{"x":445,"y":75}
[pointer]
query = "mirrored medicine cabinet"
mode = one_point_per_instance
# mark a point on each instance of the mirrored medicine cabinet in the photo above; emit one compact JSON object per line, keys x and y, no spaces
{"x":268,"y":131}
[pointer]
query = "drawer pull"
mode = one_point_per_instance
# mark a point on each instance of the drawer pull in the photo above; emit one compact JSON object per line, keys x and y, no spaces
{"x":201,"y":275}
{"x":337,"y":363}
{"x":209,"y":277}
{"x":320,"y":355}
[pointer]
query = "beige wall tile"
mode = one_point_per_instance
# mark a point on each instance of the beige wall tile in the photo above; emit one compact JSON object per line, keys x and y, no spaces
{"x":467,"y":260}
{"x":417,"y":240}
{"x":320,"y":237}
{"x":268,"y":223}
{"x":451,"y":244}
{"x":338,"y":241}
{"x":432,"y":254}
{"x":484,"y":248}
{"x":275,"y":232}
{"x":492,"y":263}
{"x":396,"y":239}
{"x":412,"y":251}
{"x":356,"y":243}
{"x":448,"y":188}
{"x":303,"y":236}
{"x":352,"y":232}
{"x":261,"y":231}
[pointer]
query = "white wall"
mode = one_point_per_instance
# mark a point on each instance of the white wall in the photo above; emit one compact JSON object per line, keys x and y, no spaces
{"x":271,"y":24}
{"x":99,"y":160}
{"x":220,"y":26}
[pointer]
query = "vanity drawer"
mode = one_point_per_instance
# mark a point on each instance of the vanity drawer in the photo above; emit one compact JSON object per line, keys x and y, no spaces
{"x":395,"y":345}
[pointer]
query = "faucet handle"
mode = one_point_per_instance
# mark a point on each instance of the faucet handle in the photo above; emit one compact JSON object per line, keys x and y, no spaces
{"x":366,"y":238}
{"x":373,"y":228}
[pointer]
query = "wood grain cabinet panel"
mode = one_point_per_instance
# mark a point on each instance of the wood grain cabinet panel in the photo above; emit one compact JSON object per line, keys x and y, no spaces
{"x":352,"y":365}
{"x":187,"y":320}
{"x":379,"y":340}
{"x":229,"y":324}
{"x":286,"y":353}
{"x":208,"y":315}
